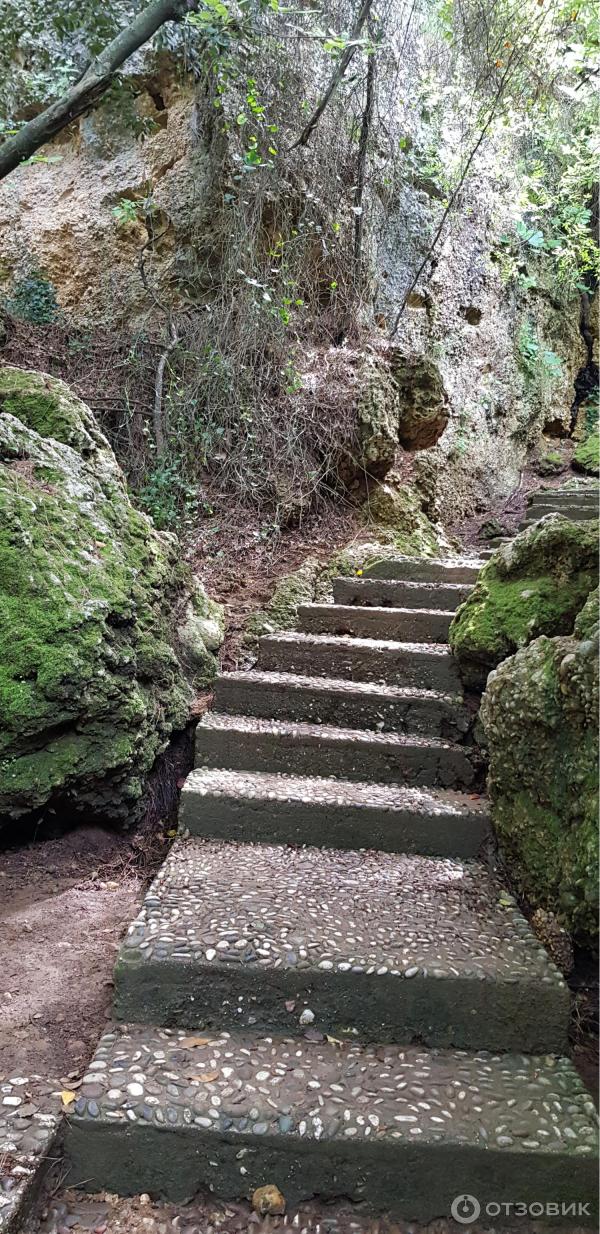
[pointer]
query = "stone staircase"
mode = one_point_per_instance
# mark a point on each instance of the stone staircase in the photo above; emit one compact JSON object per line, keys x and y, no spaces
{"x":325,"y":988}
{"x":577,"y":504}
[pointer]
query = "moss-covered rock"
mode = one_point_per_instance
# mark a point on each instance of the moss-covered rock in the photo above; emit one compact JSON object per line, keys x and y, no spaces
{"x":586,"y":457}
{"x":539,"y":713}
{"x":103,"y":632}
{"x":292,"y":590}
{"x":394,"y":509}
{"x":534,"y":585}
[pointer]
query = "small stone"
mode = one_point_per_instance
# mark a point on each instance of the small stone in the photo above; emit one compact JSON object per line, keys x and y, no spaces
{"x":307,"y":1017}
{"x":268,"y":1201}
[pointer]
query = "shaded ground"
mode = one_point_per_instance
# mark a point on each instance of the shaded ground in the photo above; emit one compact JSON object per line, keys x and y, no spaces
{"x":106,"y":1214}
{"x":64,"y":904}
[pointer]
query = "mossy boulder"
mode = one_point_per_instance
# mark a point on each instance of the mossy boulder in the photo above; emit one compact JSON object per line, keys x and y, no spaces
{"x":539,"y":713}
{"x":104,"y":634}
{"x":586,"y":457}
{"x":534,"y":585}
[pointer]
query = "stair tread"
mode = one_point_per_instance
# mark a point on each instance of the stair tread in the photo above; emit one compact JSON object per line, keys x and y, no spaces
{"x":294,"y":638}
{"x":217,"y":721}
{"x":390,"y":610}
{"x":255,"y":1087}
{"x":371,"y":689}
{"x":275,"y":786}
{"x":395,"y":583}
{"x":265,"y":907}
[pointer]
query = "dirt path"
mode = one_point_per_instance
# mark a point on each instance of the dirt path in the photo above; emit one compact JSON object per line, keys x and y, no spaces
{"x":64,"y":904}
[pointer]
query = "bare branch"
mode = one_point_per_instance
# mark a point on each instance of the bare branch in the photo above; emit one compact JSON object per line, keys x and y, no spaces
{"x":337,"y":76}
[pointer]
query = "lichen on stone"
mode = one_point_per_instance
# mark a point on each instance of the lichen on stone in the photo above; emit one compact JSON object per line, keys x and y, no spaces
{"x":536,"y":584}
{"x":539,"y":713}
{"x":92,"y":679}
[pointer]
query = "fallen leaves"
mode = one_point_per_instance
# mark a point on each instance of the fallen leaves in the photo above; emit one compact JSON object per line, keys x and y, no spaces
{"x":191,"y":1043}
{"x":67,"y":1097}
{"x":205,"y":1077}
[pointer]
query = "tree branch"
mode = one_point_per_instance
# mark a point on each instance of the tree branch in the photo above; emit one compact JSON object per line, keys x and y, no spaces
{"x":336,"y":78}
{"x":91,"y":85}
{"x":365,"y":129}
{"x":457,"y":190}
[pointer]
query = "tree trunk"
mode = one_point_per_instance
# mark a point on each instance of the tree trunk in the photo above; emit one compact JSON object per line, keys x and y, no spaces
{"x":91,"y":85}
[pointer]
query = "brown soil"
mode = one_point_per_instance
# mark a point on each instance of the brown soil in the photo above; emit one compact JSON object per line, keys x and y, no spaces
{"x":108,"y":1214}
{"x":64,"y":904}
{"x":240,"y":558}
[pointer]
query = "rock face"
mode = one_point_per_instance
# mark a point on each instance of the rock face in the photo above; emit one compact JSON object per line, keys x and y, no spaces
{"x":423,"y":400}
{"x":534,"y":585}
{"x":539,"y":713}
{"x":394,"y":511}
{"x":102,"y":630}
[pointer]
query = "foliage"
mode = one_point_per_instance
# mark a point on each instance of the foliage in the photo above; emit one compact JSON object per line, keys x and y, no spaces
{"x":33,"y":299}
{"x":540,"y":364}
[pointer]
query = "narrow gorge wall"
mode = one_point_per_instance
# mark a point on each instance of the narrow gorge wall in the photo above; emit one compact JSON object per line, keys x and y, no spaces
{"x":162,"y":216}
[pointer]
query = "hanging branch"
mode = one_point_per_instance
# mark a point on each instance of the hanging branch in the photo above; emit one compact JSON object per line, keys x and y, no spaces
{"x":457,"y":190}
{"x":365,"y":129}
{"x":337,"y":76}
{"x":92,"y":84}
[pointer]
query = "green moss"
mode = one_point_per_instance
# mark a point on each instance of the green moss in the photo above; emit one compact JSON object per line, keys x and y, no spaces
{"x":539,"y":713}
{"x":90,"y":682}
{"x":535,"y":585}
{"x":50,"y":408}
{"x":587,"y":455}
{"x":394,"y":511}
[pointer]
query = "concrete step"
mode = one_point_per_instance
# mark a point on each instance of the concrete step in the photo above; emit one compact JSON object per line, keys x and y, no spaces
{"x":413,"y":625}
{"x":557,"y":497}
{"x":423,"y":570}
{"x":576,"y":514}
{"x":264,"y":808}
{"x":246,"y":743}
{"x":404,"y":1130}
{"x":427,"y":666}
{"x":387,"y":946}
{"x":354,"y":704}
{"x":388,"y":593}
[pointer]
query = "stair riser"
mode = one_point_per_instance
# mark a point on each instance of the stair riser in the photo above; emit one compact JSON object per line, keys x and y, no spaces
{"x":328,"y":826}
{"x":446,"y":1011}
{"x":346,"y":759}
{"x":417,"y":1182}
{"x":431,"y":718}
{"x":422,"y":571}
{"x":558,"y":499}
{"x":582,"y":514}
{"x":411,"y":627}
{"x":386,"y":594}
{"x":423,"y":670}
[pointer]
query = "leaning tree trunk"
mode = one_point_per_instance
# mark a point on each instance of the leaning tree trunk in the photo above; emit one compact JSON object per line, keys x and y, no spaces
{"x":91,"y":85}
